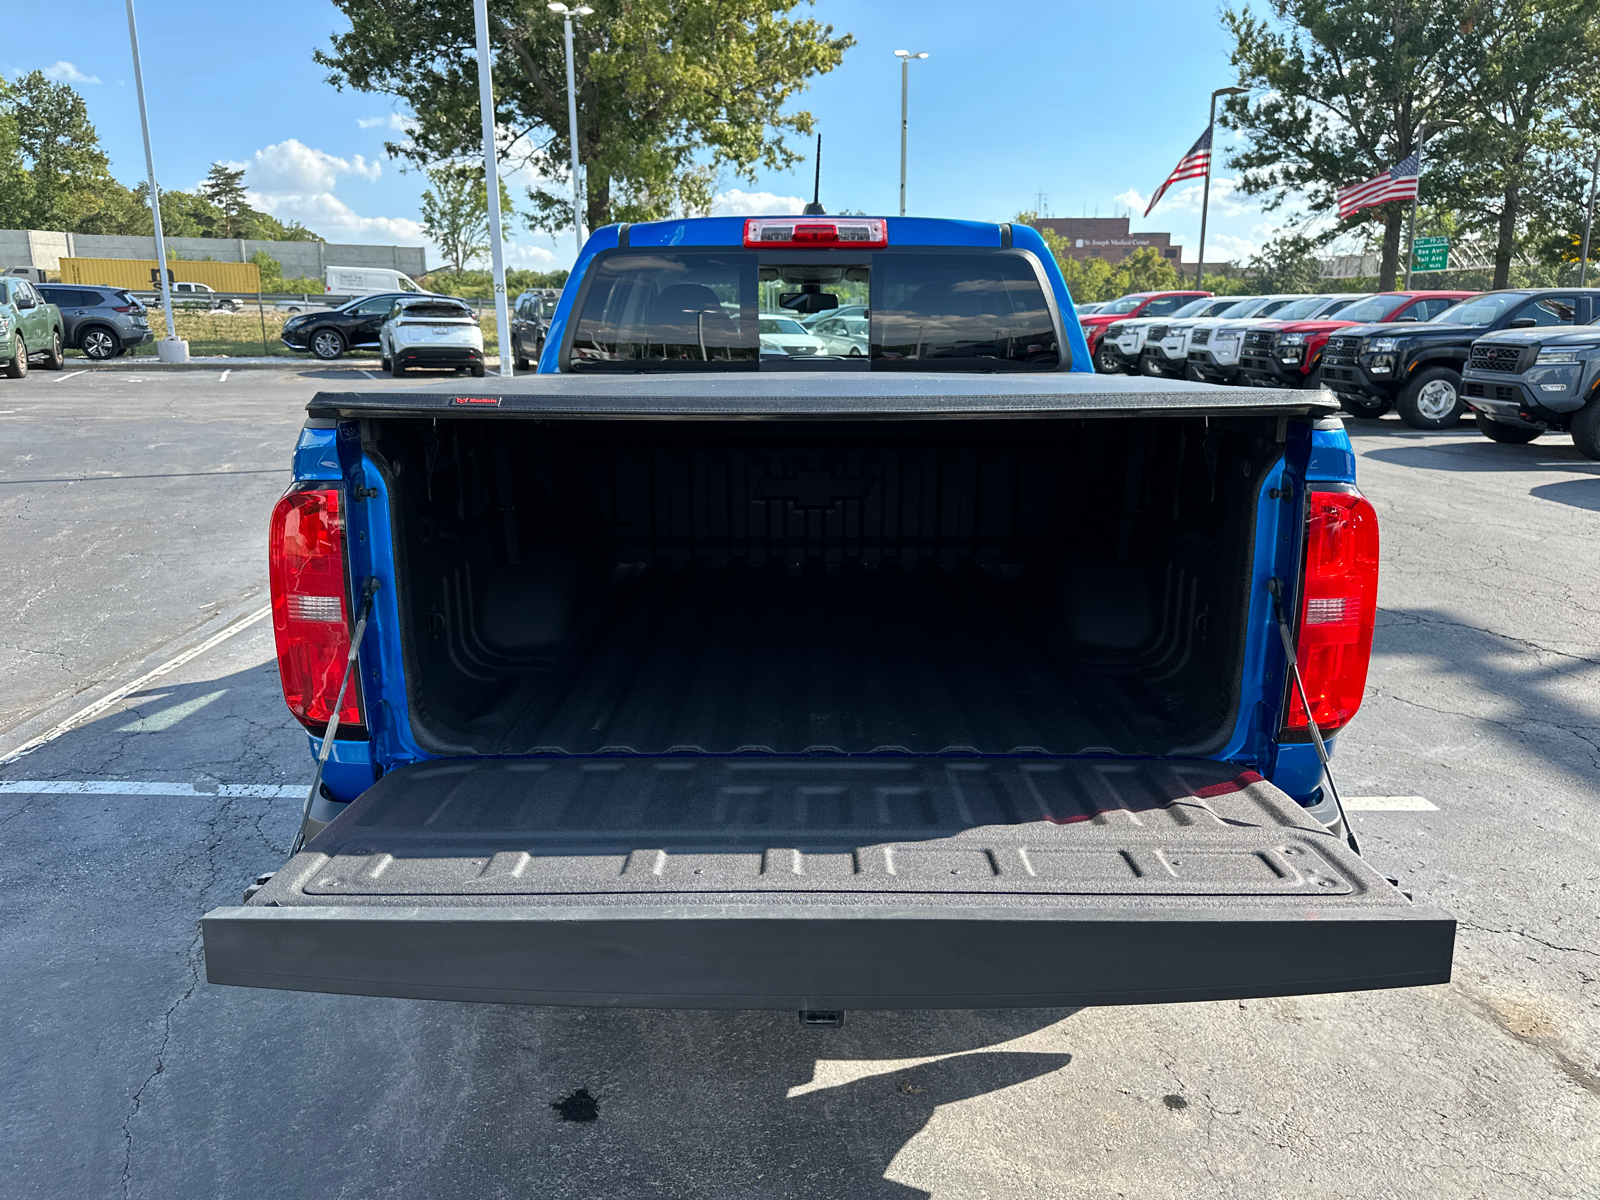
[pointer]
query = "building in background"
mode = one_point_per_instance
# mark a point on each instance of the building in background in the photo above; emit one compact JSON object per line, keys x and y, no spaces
{"x":1107,"y":238}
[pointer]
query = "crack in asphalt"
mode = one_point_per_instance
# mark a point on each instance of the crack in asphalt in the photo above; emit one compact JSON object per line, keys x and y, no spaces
{"x":1402,"y":618}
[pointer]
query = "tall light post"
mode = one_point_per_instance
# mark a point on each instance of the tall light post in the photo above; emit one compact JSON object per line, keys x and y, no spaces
{"x":172,"y":349}
{"x":1588,"y":221}
{"x":491,"y":180}
{"x":1205,"y":194}
{"x":1423,"y":132}
{"x":905,"y":57}
{"x":582,"y":10}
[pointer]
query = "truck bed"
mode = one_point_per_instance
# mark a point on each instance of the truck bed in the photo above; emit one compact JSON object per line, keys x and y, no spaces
{"x":826,"y":882}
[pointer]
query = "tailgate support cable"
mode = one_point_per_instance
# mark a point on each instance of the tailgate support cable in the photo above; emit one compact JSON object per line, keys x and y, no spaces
{"x":367,"y":593}
{"x":1275,"y":586}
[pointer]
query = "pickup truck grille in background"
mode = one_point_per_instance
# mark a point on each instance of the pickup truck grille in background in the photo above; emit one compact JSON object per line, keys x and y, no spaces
{"x":1259,"y":341}
{"x":1155,"y":333}
{"x":1341,"y":349}
{"x":1496,"y":358}
{"x":1202,"y":337}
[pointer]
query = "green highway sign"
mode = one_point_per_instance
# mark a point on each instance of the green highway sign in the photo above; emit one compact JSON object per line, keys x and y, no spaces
{"x":1430,"y":254}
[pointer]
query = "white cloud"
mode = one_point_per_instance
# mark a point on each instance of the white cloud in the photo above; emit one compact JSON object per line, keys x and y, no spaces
{"x":391,"y":121}
{"x":735,"y":203}
{"x":1227,"y":248}
{"x":292,"y":166}
{"x":334,"y":219}
{"x":65,"y":72}
{"x":535,"y":257}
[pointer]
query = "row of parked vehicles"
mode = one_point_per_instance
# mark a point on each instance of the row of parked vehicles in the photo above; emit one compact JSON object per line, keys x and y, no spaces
{"x":1522,"y":361}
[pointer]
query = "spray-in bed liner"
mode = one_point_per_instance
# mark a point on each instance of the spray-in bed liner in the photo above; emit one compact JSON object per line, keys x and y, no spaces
{"x":498,"y":829}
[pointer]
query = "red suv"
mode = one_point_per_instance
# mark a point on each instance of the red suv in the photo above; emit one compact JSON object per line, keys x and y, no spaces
{"x":1285,"y":354}
{"x":1134,"y":304}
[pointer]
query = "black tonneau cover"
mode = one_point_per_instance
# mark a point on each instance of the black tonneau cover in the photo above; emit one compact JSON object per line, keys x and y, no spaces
{"x":824,"y":394}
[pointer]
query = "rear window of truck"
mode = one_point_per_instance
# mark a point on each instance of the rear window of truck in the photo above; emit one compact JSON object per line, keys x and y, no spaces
{"x":704,"y":311}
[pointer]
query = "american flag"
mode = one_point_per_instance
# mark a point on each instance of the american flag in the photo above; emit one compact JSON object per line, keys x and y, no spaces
{"x":1192,"y":165}
{"x":1399,"y":182}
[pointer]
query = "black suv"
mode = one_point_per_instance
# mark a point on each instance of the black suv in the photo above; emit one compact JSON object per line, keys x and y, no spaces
{"x":1524,"y":382}
{"x":352,"y":326}
{"x":1416,"y":366}
{"x":103,"y":322}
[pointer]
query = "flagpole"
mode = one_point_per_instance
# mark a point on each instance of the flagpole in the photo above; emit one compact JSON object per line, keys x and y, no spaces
{"x":1411,"y":240}
{"x":1205,"y":195}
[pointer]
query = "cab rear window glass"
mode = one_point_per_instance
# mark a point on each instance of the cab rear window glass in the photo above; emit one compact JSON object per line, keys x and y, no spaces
{"x":731,"y":311}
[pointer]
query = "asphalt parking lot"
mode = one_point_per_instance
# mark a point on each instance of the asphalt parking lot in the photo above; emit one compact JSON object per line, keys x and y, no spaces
{"x":134,"y":507}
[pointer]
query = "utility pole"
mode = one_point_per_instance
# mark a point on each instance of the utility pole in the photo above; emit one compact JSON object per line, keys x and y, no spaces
{"x":172,"y":348}
{"x":1205,"y":194}
{"x":905,"y":57}
{"x":491,"y":180}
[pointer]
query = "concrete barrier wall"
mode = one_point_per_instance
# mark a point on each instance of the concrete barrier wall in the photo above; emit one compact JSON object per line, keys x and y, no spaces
{"x":46,"y":248}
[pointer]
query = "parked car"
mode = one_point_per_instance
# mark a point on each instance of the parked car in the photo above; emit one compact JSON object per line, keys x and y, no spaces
{"x":530,"y":317}
{"x":1286,"y":352}
{"x":431,"y":331}
{"x":1416,"y":366}
{"x":1164,"y":350}
{"x":30,"y":329}
{"x":103,"y":322}
{"x":1135,"y":304}
{"x":809,"y":320}
{"x":1087,"y":310}
{"x":34,"y":275}
{"x":844,"y":335}
{"x":681,"y":677}
{"x":781,"y":333}
{"x":1521,"y":383}
{"x":1124,"y":340}
{"x":1211,"y":349}
{"x":353,"y":325}
{"x":187,"y":294}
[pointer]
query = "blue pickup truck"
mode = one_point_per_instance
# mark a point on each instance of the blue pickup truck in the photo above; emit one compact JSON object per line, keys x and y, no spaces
{"x":928,"y":671}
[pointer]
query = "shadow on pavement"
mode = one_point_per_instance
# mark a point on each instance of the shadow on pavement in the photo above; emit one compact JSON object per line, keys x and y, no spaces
{"x":1518,"y":676}
{"x":1482,"y":455}
{"x":1580,"y":493}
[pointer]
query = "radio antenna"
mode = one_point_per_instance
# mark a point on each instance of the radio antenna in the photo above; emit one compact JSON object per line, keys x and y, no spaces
{"x":815,"y":209}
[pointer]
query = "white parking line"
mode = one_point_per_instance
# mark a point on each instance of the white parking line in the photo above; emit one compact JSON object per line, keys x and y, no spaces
{"x":70,"y":374}
{"x":369,"y":374}
{"x":1388,"y":804}
{"x":121,"y":787}
{"x":127,"y":689}
{"x":224,"y":376}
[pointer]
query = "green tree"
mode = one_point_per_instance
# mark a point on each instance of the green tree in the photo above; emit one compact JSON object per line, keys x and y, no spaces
{"x":455,"y":213}
{"x":1286,"y":264}
{"x":669,"y":93}
{"x":1526,"y":70}
{"x":67,"y":170}
{"x":223,"y":187}
{"x":1337,"y":93}
{"x":16,"y":185}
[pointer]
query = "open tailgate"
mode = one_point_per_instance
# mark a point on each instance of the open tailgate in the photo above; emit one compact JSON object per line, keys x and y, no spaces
{"x":826,"y":883}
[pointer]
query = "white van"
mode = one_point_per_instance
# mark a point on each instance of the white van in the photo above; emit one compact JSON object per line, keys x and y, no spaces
{"x":368,"y":281}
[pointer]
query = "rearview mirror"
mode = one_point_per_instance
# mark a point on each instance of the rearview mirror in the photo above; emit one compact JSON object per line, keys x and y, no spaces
{"x":808,"y":302}
{"x":1523,"y":323}
{"x":1406,"y":317}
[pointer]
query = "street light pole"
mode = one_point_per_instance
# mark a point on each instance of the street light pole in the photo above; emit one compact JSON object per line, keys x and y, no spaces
{"x":905,"y":57}
{"x":491,"y":180}
{"x":1411,"y":240}
{"x":1588,"y":221}
{"x":582,"y":10}
{"x":172,"y":349}
{"x":1205,"y":194}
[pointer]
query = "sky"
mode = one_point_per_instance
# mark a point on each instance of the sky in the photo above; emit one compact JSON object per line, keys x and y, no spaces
{"x":1087,"y":104}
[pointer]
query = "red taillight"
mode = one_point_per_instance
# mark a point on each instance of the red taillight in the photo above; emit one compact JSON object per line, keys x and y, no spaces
{"x":311,"y":607}
{"x":125,"y":308}
{"x":854,"y":233}
{"x":1338,"y":609}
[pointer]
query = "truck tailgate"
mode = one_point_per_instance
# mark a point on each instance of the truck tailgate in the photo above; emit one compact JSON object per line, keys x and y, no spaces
{"x":826,"y":883}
